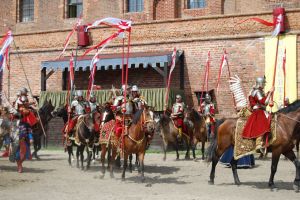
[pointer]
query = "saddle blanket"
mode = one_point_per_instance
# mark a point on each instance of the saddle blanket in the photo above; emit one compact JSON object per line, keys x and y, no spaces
{"x":244,"y":147}
{"x":106,"y":132}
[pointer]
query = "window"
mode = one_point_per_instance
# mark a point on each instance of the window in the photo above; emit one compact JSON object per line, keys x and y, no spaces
{"x":135,"y":5}
{"x":26,"y":10}
{"x":196,"y":4}
{"x":74,"y":8}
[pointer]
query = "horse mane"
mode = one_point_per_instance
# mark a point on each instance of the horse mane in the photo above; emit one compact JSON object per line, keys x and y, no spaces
{"x":137,"y":116}
{"x":196,"y":115}
{"x":290,"y":108}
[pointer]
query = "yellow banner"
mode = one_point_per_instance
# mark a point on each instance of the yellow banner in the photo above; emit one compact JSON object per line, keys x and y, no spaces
{"x":287,"y":42}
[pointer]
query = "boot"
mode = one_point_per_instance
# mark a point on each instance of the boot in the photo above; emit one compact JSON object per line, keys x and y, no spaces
{"x":179,"y":136}
{"x":5,"y":153}
{"x":259,"y":145}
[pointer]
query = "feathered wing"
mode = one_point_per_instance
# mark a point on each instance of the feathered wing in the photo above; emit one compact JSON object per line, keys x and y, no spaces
{"x":237,"y":91}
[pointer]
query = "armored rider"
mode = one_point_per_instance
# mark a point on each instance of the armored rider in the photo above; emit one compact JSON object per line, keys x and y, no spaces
{"x":78,"y":107}
{"x":24,"y":107}
{"x":208,"y":110}
{"x":178,"y":114}
{"x":258,"y":124}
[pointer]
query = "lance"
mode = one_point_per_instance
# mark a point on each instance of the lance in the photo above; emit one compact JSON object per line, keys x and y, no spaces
{"x":26,"y":78}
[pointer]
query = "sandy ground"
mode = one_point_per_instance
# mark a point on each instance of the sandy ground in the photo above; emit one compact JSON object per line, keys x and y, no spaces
{"x":52,"y":178}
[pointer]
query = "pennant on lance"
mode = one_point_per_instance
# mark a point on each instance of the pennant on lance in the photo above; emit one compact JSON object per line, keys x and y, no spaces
{"x":67,"y":41}
{"x":278,"y":21}
{"x":222,"y":65}
{"x":173,"y":64}
{"x":93,"y":68}
{"x":4,"y":52}
{"x":206,"y":76}
{"x":112,"y":22}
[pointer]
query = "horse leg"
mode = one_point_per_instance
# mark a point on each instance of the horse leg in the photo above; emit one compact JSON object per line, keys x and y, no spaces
{"x":112,"y":164}
{"x":69,"y":149}
{"x":130,"y":163}
{"x":81,"y":155}
{"x":118,"y":161}
{"x":141,"y":167}
{"x":103,"y":153}
{"x":297,"y":148}
{"x":234,"y":171}
{"x":292,"y":157}
{"x":203,"y":149}
{"x":176,"y":148}
{"x":89,"y":157}
{"x":136,"y":160}
{"x":275,"y":159}
{"x":124,"y":166}
{"x":187,"y":154}
{"x":165,"y":147}
{"x":77,"y":156}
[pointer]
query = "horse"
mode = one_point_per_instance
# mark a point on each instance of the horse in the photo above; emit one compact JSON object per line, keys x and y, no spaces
{"x":46,"y":114}
{"x":107,"y":116}
{"x":85,"y":134}
{"x":165,"y":127}
{"x":199,"y":130}
{"x":5,"y":124}
{"x":135,"y":138}
{"x":287,"y":122}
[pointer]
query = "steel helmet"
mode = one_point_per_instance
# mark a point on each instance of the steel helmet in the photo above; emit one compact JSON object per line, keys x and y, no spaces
{"x":207,"y":97}
{"x":79,"y":93}
{"x":134,"y":88}
{"x":23,"y":90}
{"x":178,"y":96}
{"x":260,"y":82}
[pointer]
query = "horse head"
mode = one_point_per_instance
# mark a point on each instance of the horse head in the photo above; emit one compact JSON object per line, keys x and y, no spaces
{"x":61,"y":112}
{"x":46,"y":111}
{"x":149,"y":122}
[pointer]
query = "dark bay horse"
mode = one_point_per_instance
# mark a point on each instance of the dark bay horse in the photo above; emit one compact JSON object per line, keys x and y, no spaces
{"x":199,"y":130}
{"x":287,"y":122}
{"x":85,"y":134}
{"x":46,"y":114}
{"x":167,"y":130}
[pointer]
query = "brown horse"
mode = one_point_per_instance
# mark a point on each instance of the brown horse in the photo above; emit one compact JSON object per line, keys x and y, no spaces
{"x":166,"y":129}
{"x":135,"y":139}
{"x":287,"y":122}
{"x":199,"y":130}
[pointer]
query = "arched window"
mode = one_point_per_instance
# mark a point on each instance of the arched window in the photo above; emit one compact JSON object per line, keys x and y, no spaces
{"x":135,"y":5}
{"x":191,"y":4}
{"x":26,"y":12}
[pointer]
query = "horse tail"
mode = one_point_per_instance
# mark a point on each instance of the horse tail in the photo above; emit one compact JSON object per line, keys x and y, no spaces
{"x":211,"y":150}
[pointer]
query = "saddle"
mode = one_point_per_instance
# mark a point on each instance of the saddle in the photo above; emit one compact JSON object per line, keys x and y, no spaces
{"x":243,"y":146}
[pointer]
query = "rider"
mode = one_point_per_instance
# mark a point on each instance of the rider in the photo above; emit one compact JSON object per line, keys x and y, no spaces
{"x":207,"y":108}
{"x":25,"y":139}
{"x":93,"y":106}
{"x":77,"y":108}
{"x":24,"y":107}
{"x":178,"y":114}
{"x":137,"y":100}
{"x":258,"y":124}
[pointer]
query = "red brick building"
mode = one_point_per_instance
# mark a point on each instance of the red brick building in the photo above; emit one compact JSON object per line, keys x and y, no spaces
{"x":192,"y":26}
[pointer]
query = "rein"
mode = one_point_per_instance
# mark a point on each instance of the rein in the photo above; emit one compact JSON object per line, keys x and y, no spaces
{"x":290,"y":118}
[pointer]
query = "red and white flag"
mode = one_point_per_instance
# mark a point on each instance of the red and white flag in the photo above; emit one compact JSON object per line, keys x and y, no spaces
{"x":222,"y":65}
{"x":68,"y":38}
{"x":71,"y":72}
{"x":4,"y":52}
{"x":173,"y":64}
{"x":104,"y":43}
{"x":93,"y":69}
{"x":112,"y":22}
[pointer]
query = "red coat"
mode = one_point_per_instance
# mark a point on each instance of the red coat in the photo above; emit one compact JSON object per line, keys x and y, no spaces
{"x":257,"y":124}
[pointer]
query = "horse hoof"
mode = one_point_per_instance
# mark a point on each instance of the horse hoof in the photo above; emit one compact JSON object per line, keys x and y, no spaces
{"x":211,"y":182}
{"x":237,"y":183}
{"x":296,"y":188}
{"x":143,"y":179}
{"x":123,"y":178}
{"x":164,"y":159}
{"x":112,"y":175}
